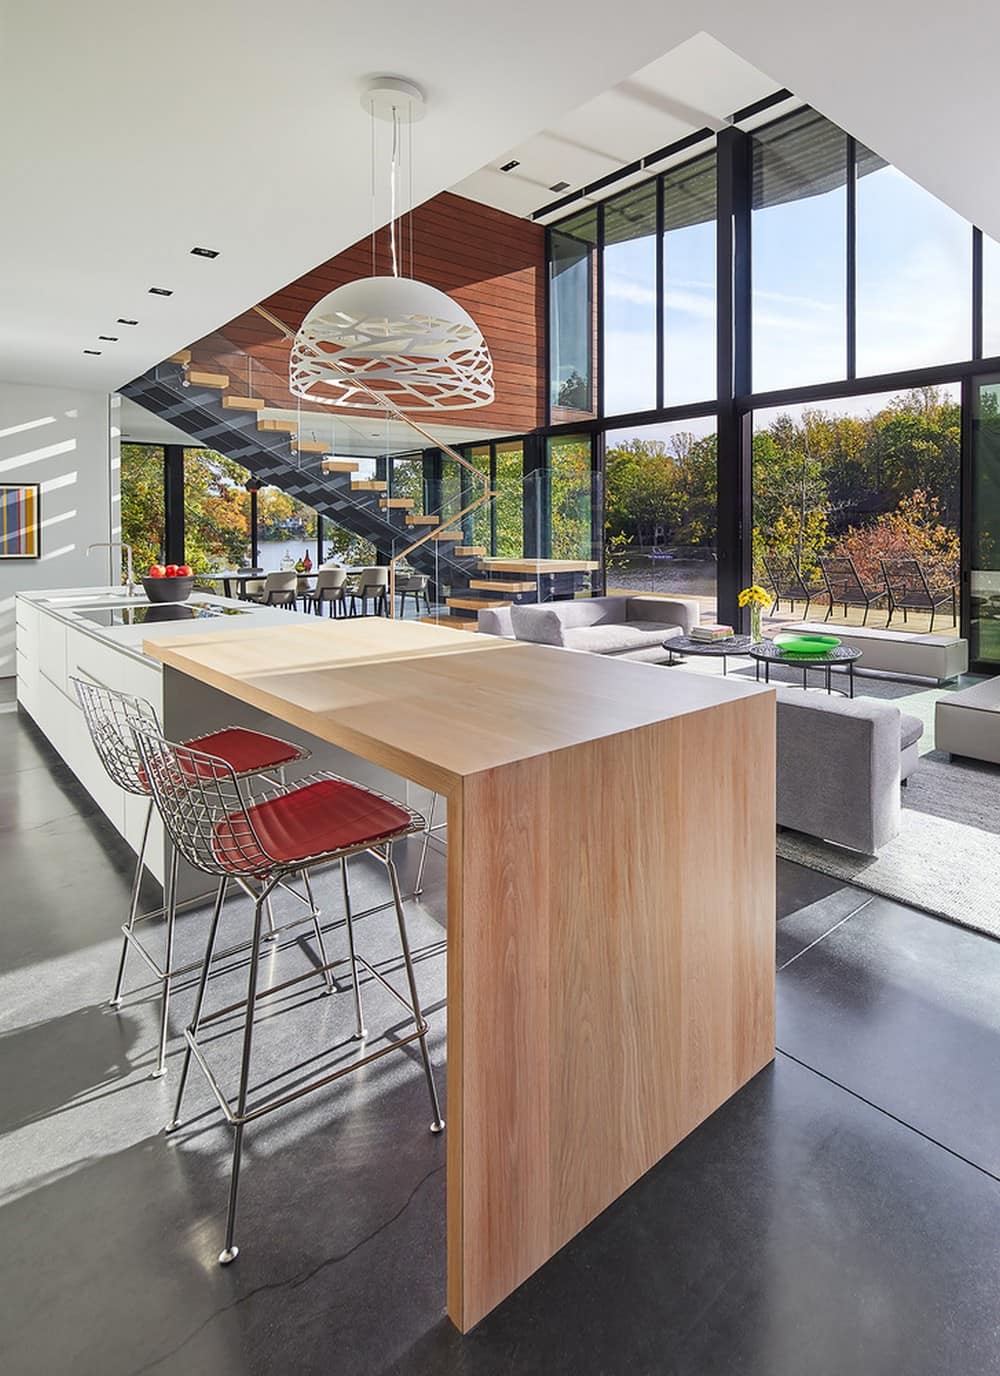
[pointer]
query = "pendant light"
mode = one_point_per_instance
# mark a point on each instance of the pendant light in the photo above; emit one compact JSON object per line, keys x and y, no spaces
{"x":401,"y":339}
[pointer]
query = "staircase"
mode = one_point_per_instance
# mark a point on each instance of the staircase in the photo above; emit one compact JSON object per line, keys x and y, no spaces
{"x":209,"y":406}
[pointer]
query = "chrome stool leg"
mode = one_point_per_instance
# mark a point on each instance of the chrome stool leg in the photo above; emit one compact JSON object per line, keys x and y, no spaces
{"x":437,"y":1124}
{"x":220,"y":899}
{"x":327,"y":973}
{"x":171,"y":915}
{"x":133,"y":910}
{"x":230,"y":1252}
{"x":418,"y":886}
{"x":362,"y":1031}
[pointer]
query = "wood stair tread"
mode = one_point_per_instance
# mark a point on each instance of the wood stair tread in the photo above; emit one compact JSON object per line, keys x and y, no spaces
{"x":368,"y":485}
{"x":181,"y":356}
{"x":310,"y":447}
{"x":469,"y":551}
{"x":243,"y":403}
{"x":396,"y":503}
{"x":447,"y":535}
{"x":339,"y":466}
{"x":423,"y":520}
{"x":454,"y":623}
{"x":197,"y":378}
{"x":269,"y":425}
{"x":473,"y":604}
{"x":501,"y":585}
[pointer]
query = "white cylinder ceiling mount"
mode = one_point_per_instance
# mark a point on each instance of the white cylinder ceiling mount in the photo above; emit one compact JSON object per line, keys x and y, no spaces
{"x":393,"y":336}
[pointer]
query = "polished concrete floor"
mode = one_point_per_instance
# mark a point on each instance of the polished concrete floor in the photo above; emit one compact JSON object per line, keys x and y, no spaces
{"x":840,"y":1215}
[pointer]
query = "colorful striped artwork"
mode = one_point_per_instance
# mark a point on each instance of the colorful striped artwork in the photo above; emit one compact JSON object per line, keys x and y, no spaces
{"x":19,"y":521}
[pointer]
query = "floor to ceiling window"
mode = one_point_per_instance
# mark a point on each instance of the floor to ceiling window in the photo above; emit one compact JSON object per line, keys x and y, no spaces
{"x":799,"y":238}
{"x":660,"y":511}
{"x":564,"y":498}
{"x":862,"y":494}
{"x":216,"y":512}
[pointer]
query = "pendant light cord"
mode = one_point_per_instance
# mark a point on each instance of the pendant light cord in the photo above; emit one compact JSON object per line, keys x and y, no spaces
{"x":394,"y":165}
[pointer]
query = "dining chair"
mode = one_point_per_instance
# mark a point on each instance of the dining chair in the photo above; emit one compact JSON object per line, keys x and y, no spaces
{"x":413,"y":585}
{"x":319,"y":820}
{"x":372,"y":583}
{"x":330,"y":588}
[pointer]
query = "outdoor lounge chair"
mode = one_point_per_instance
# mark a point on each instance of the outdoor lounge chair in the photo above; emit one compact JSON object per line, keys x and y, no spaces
{"x":788,"y":583}
{"x":912,"y":590}
{"x":844,"y":584}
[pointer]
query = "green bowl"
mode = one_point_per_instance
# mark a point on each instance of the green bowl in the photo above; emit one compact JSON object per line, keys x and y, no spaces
{"x":792,"y":644}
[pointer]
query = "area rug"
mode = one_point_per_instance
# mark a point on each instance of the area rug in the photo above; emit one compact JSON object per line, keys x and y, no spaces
{"x":946,"y":859}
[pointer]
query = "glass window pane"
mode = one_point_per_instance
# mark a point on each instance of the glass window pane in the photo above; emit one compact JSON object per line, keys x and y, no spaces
{"x":991,"y":297}
{"x":569,"y":495}
{"x":984,"y":626}
{"x":479,"y":526}
{"x":217,"y":512}
{"x":689,"y":213}
{"x":286,"y":529}
{"x":659,"y":511}
{"x":509,"y":501}
{"x":630,"y":301}
{"x":873,"y":480}
{"x":572,"y":277}
{"x":799,"y":261}
{"x":143,"y":525}
{"x":914,"y":273}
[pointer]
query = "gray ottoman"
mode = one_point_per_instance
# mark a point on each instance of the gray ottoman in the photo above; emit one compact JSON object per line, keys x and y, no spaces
{"x":968,"y":723}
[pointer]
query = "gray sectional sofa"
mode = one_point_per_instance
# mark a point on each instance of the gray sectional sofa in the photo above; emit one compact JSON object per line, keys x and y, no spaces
{"x":840,"y":765}
{"x":626,"y":627}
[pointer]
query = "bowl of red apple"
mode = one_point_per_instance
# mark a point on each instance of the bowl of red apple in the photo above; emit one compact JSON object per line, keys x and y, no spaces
{"x":168,"y":582}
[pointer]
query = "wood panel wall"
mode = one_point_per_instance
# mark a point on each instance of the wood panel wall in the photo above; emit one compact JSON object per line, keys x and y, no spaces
{"x":492,"y":263}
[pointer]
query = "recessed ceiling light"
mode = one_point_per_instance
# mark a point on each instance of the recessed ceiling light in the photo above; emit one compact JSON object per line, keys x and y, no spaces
{"x":509,"y":166}
{"x":123,"y":321}
{"x":109,"y":338}
{"x":92,"y":351}
{"x":160,"y":291}
{"x":205,"y":252}
{"x":559,"y":186}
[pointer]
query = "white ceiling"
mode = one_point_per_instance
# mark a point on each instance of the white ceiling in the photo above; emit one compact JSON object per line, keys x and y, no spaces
{"x":695,"y":86}
{"x":130,"y":133}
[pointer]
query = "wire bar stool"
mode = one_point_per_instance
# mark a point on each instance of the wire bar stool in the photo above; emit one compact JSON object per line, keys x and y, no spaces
{"x":110,"y":716}
{"x":318,"y":820}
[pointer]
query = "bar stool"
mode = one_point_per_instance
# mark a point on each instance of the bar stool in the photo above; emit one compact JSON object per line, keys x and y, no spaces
{"x":109,"y":716}
{"x":320,"y":819}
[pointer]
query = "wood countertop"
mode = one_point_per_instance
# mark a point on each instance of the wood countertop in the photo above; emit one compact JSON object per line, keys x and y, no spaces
{"x":434,"y":704}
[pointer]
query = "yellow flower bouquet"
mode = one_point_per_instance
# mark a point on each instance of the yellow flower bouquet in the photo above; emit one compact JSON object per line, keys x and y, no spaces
{"x":756,"y":598}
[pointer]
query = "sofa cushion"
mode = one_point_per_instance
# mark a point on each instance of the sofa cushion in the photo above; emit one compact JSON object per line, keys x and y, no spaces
{"x":684,"y":612}
{"x":617,"y":639}
{"x":910,"y":730}
{"x":544,"y":624}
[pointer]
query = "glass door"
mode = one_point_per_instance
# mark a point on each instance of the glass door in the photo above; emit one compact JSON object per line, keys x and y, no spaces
{"x":984,"y":545}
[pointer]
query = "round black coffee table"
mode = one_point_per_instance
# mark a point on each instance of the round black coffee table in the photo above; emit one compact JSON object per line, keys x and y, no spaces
{"x":840,"y":656}
{"x":686,"y":645}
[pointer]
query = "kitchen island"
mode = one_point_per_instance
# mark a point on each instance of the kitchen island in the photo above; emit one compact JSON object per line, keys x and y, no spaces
{"x":610,"y":897}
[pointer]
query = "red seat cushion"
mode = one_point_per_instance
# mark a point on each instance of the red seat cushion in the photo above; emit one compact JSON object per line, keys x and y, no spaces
{"x":249,"y":752}
{"x":318,"y":818}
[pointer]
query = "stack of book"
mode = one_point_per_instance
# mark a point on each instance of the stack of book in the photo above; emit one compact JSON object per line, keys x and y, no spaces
{"x":711,"y":633}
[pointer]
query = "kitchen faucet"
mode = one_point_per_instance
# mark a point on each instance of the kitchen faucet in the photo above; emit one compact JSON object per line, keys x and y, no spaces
{"x":117,"y":544}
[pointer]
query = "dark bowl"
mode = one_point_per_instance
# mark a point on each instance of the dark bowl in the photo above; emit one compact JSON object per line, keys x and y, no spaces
{"x":168,"y":589}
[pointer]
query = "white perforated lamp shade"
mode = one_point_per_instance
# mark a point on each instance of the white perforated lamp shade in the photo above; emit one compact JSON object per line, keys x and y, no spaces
{"x":404,"y":340}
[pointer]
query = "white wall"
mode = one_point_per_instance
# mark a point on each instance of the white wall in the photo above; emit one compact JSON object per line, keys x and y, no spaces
{"x":66,"y":441}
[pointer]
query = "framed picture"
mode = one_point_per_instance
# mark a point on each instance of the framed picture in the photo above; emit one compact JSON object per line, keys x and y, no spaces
{"x":19,"y":520}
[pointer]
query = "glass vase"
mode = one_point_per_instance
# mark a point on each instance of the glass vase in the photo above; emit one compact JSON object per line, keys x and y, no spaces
{"x":755,"y":633}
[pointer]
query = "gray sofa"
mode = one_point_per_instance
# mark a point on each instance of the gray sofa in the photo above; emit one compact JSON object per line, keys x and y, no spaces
{"x":840,"y":765}
{"x":626,"y":627}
